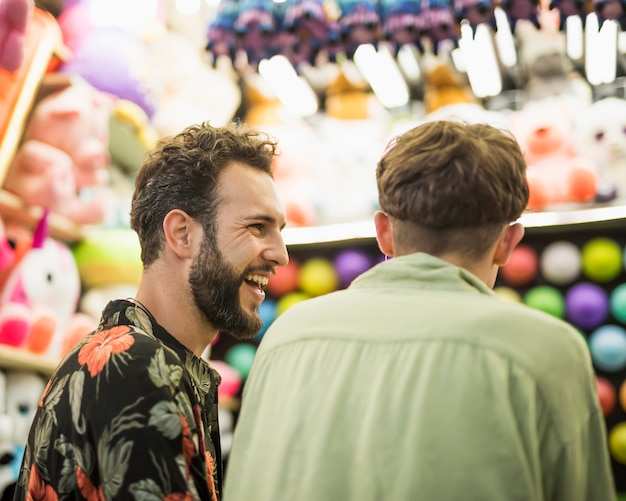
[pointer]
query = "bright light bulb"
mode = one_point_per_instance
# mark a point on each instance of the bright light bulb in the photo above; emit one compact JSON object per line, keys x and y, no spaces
{"x":480,"y":60}
{"x":290,"y":89}
{"x":600,"y":50}
{"x":574,"y":37}
{"x":504,"y":39}
{"x":383,"y":75}
{"x":188,"y":7}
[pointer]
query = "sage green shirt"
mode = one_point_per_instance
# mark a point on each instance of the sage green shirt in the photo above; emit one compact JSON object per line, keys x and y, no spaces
{"x":419,"y":383}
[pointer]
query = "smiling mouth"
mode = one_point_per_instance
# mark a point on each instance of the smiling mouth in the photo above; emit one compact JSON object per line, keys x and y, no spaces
{"x":258,"y":281}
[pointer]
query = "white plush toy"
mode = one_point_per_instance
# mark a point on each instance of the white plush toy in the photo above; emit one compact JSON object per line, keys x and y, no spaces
{"x":601,"y":136}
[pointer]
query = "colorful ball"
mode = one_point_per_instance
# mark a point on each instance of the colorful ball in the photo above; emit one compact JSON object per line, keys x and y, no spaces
{"x":608,"y":347}
{"x":349,"y":264}
{"x":618,"y":303}
{"x":109,"y":256}
{"x":601,"y":259}
{"x":560,"y":262}
{"x":267,"y":312}
{"x":240,"y":358}
{"x":522,"y":266}
{"x":508,"y":294}
{"x":606,"y":395}
{"x":231,"y":379}
{"x":288,"y":300}
{"x":317,"y":277}
{"x":617,"y":442}
{"x":587,"y":305}
{"x":547,"y":299}
{"x":285,"y":280}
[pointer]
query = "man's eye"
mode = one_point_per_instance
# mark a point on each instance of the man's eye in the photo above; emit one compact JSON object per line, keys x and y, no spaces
{"x":258,"y":226}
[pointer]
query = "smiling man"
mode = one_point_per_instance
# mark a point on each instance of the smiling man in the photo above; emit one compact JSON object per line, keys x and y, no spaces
{"x":131,"y":412}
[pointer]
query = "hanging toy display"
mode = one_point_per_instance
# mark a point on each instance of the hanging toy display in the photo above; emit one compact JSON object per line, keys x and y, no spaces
{"x":475,"y":12}
{"x":359,"y":24}
{"x":517,"y":10}
{"x":610,"y":10}
{"x":306,"y":28}
{"x":256,"y":27}
{"x":221,"y":36}
{"x":440,"y":23}
{"x":569,"y":8}
{"x":402,"y":23}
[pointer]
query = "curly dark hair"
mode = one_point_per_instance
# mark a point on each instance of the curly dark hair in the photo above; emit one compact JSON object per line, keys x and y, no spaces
{"x":182,"y":173}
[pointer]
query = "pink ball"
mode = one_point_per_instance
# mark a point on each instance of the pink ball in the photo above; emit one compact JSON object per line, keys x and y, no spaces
{"x":522,"y":267}
{"x":606,"y":394}
{"x":231,"y":380}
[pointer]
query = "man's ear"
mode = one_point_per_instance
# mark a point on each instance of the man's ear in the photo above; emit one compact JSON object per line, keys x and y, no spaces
{"x":508,"y":240}
{"x":384,"y":236}
{"x":177,"y":227}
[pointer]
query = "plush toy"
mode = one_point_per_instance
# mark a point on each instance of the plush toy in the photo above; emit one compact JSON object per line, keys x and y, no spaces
{"x":601,"y":136}
{"x":14,"y":18}
{"x":443,"y":85}
{"x":556,"y":172}
{"x":401,"y":23}
{"x":185,"y":87}
{"x":39,"y":295}
{"x":64,"y":155}
{"x":107,"y":58}
{"x":23,"y":391}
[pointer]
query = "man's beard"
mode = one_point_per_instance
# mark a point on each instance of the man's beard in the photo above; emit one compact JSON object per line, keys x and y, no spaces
{"x":215,"y":290}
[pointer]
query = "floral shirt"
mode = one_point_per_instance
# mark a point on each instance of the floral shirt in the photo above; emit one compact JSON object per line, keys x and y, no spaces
{"x":130,"y":413}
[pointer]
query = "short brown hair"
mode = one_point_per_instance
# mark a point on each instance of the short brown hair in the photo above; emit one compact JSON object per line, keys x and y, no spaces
{"x":182,"y":173}
{"x":449,"y":178}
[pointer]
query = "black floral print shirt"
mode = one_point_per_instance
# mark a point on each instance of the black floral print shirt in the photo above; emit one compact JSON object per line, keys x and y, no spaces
{"x":130,"y":413}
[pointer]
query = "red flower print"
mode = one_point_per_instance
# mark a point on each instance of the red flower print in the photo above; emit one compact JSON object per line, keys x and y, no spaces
{"x":38,"y":490}
{"x":188,"y":447}
{"x":210,"y":464}
{"x":87,"y":489}
{"x":177,"y":496}
{"x":97,"y":351}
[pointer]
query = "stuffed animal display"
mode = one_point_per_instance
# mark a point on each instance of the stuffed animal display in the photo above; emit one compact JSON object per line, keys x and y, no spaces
{"x":61,"y":163}
{"x":557,"y":172}
{"x":600,"y":134}
{"x":39,"y":294}
{"x":20,"y":392}
{"x":14,"y":18}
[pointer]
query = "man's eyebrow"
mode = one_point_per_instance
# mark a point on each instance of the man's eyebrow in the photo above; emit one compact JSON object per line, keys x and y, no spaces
{"x":266,"y":218}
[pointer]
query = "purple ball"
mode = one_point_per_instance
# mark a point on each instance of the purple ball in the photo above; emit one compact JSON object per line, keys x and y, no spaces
{"x":587,"y":305}
{"x":350,"y":263}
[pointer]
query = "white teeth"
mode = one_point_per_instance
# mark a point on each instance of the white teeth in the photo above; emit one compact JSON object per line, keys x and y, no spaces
{"x":258,"y":279}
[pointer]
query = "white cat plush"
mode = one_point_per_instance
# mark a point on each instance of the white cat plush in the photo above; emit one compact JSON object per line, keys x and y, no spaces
{"x":601,"y":136}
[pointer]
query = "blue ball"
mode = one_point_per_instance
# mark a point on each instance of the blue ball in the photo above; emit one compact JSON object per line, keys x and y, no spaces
{"x":267,"y":312}
{"x":608,"y":347}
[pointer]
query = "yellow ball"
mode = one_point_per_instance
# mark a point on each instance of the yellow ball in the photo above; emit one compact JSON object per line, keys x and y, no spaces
{"x":317,"y":277}
{"x":288,"y":300}
{"x":508,"y":293}
{"x":617,"y":442}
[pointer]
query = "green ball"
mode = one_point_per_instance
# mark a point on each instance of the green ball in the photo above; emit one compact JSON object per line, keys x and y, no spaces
{"x":602,"y":259}
{"x":240,"y":358}
{"x":109,"y":256}
{"x":547,"y":299}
